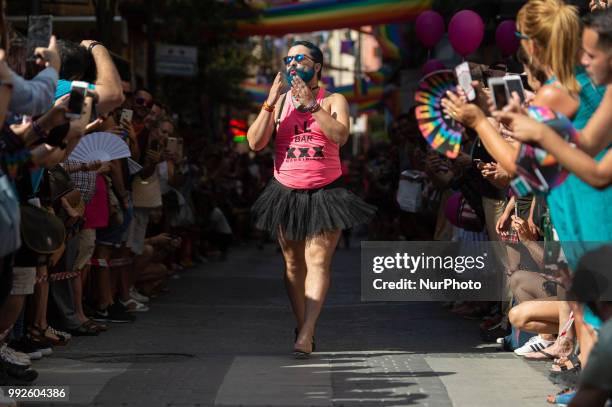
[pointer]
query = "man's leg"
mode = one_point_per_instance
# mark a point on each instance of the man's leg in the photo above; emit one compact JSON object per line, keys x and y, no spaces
{"x":62,"y":292}
{"x":318,"y":255}
{"x":295,"y":275}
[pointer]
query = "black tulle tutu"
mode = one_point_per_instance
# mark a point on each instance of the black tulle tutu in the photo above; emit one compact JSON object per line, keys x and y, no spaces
{"x":304,"y":213}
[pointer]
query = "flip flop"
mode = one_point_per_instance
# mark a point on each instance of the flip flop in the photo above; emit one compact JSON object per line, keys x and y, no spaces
{"x":96,"y":325}
{"x":84,"y":329}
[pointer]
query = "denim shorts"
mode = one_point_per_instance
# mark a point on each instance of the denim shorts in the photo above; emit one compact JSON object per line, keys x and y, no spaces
{"x":117,"y":234}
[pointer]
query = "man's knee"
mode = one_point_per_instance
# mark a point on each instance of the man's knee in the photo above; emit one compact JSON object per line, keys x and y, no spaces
{"x":295,"y":265}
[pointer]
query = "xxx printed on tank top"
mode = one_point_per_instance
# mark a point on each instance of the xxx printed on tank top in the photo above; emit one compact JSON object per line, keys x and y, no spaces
{"x":305,"y":158}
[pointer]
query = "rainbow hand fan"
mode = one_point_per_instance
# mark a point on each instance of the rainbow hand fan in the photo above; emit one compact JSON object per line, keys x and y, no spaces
{"x":100,"y":146}
{"x":440,"y":130}
{"x":536,"y":166}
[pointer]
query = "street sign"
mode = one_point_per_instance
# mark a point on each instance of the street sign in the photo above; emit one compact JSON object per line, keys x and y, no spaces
{"x":176,"y":60}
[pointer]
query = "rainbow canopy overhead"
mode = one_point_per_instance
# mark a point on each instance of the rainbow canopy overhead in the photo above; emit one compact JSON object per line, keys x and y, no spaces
{"x":331,"y":14}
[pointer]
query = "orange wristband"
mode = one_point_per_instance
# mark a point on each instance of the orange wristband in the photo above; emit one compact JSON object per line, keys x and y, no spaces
{"x":267,"y":107}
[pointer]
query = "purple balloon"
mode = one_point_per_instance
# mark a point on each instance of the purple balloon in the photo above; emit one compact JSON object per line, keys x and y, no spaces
{"x":465,"y":32}
{"x":429,"y":28}
{"x":507,"y":42}
{"x":432,"y":65}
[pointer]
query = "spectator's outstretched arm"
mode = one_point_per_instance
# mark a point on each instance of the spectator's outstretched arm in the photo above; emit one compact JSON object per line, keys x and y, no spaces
{"x":597,"y":174}
{"x":108,"y":82}
{"x":36,"y":96}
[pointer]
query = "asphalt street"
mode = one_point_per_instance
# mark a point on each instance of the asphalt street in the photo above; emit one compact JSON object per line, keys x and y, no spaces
{"x":223,"y":336}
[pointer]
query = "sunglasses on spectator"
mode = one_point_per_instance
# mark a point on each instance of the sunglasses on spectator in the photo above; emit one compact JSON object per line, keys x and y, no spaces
{"x":520,"y":35}
{"x":143,"y":102}
{"x":298,"y":58}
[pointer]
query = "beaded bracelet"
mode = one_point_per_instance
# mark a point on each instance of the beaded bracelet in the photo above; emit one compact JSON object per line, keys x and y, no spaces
{"x":267,"y":107}
{"x":310,"y":106}
{"x":314,"y":108}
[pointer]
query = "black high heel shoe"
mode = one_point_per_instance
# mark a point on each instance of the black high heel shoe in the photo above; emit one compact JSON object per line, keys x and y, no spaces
{"x":296,"y":332}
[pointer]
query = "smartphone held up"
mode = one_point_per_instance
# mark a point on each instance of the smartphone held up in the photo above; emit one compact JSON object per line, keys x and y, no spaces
{"x":126,"y":115}
{"x":465,"y":80}
{"x":499,"y":92}
{"x":78,"y":91}
{"x":515,"y":85}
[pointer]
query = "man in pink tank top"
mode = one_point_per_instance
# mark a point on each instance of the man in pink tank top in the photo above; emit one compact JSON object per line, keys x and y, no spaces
{"x":304,"y":205}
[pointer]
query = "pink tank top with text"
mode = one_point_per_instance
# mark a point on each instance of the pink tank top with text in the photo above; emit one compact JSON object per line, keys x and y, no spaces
{"x":305,"y":158}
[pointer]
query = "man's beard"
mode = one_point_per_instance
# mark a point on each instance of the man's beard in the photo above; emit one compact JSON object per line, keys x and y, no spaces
{"x":305,"y":74}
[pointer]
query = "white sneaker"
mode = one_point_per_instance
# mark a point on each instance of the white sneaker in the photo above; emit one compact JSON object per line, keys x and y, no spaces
{"x":534,"y":344}
{"x":35,"y":355}
{"x":17,"y":358}
{"x":132,"y":305}
{"x":135,"y":295}
{"x":57,"y":332}
{"x":46,"y":351}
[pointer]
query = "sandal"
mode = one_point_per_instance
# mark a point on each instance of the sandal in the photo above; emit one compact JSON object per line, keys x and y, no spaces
{"x":96,"y":325}
{"x":40,"y":335}
{"x":565,"y":371}
{"x":85,"y":329}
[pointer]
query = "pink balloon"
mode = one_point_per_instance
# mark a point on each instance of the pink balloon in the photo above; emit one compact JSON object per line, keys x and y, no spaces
{"x":432,"y":65}
{"x":507,"y":42}
{"x":429,"y":28}
{"x":465,"y":32}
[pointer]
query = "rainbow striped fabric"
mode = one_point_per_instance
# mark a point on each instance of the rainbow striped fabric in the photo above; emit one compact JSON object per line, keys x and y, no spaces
{"x":330,"y":14}
{"x":391,"y":40}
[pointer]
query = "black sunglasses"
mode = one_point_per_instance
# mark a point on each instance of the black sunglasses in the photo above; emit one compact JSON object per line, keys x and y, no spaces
{"x":298,"y":58}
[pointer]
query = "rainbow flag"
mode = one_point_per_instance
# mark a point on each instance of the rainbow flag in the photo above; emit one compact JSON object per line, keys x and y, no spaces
{"x":391,"y":40}
{"x":361,"y":87}
{"x":331,"y":14}
{"x":369,"y":106}
{"x":374,"y":92}
{"x":379,"y":77}
{"x":257,"y":92}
